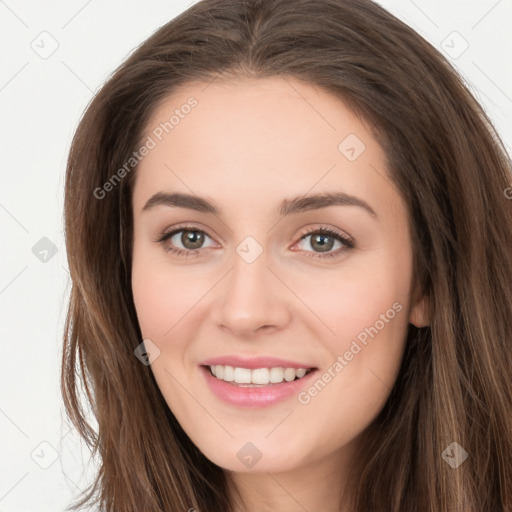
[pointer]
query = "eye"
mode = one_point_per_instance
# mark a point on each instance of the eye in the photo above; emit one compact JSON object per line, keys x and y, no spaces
{"x":189,"y":237}
{"x":323,"y":240}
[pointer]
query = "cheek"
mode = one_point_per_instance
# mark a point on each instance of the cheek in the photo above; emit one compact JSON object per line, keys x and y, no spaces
{"x":367,"y":310}
{"x":357,"y":297}
{"x":162,"y":298}
{"x":153,"y":306}
{"x":163,"y":293}
{"x":364,"y":311}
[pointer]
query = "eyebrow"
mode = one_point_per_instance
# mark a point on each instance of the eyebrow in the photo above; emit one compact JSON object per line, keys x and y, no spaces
{"x":287,"y":207}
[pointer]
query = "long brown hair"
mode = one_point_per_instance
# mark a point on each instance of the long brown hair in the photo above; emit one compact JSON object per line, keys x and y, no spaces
{"x":451,"y":167}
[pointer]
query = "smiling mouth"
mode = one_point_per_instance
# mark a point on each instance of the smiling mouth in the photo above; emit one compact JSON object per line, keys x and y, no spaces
{"x":259,"y":377}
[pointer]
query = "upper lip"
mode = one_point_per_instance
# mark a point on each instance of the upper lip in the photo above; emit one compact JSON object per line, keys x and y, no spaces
{"x":254,"y":362}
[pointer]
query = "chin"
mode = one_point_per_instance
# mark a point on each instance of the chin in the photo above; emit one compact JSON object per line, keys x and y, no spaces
{"x":247,"y":457}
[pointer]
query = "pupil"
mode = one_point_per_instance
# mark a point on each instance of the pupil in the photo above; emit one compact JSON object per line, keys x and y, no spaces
{"x":323,"y":245}
{"x":192,"y":237}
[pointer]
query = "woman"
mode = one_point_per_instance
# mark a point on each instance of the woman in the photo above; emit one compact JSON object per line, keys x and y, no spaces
{"x":290,"y":244}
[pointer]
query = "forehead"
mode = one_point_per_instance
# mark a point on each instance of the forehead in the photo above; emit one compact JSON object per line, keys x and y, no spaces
{"x":258,"y":139}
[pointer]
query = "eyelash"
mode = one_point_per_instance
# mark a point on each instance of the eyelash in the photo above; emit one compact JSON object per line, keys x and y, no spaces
{"x":346,"y":241}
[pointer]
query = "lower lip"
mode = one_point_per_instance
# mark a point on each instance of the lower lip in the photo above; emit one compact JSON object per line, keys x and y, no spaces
{"x":254,"y":397}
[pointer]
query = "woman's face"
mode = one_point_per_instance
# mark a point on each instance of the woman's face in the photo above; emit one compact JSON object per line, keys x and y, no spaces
{"x":259,"y":277}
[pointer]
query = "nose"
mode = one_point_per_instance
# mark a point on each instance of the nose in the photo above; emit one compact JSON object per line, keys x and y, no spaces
{"x":251,"y":299}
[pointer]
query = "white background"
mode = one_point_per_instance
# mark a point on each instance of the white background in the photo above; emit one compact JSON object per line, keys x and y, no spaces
{"x":41,"y":101}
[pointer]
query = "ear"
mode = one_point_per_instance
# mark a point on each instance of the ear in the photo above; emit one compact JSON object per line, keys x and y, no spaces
{"x":419,"y":314}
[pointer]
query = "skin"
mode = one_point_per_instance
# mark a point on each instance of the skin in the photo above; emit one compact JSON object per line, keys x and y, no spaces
{"x":248,"y":145}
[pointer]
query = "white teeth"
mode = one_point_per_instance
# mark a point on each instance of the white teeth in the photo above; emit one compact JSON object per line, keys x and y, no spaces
{"x":229,"y":373}
{"x":259,"y":376}
{"x":289,"y":374}
{"x":276,"y":375}
{"x":242,"y":375}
